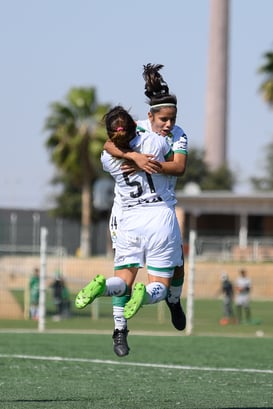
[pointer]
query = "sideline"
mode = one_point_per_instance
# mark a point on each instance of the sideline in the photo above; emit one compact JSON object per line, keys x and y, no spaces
{"x":140,"y":364}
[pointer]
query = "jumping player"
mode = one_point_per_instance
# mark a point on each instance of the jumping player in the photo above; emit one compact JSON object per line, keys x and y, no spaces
{"x":148,"y":231}
{"x":161,"y":119}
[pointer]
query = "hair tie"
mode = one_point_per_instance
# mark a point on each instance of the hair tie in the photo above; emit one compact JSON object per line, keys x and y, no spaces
{"x":120,"y":128}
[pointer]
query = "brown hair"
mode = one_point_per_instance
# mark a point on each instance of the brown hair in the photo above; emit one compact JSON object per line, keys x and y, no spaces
{"x":120,"y":126}
{"x":156,"y":89}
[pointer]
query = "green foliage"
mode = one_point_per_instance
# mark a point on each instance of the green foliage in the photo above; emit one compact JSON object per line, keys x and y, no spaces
{"x":68,"y":201}
{"x":266,"y":70}
{"x":75,"y":141}
{"x":76,"y":135}
{"x":198,"y":172}
{"x":219,"y":179}
{"x":265,"y":183}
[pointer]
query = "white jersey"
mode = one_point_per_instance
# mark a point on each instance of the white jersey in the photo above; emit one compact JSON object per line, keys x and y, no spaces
{"x":141,"y":188}
{"x":177,"y":139}
{"x":243,"y":286}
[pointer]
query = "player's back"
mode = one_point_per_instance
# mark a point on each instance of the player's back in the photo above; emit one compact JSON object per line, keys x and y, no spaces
{"x":141,"y":188}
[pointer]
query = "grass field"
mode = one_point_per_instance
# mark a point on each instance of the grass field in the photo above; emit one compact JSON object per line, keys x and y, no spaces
{"x":64,"y":371}
{"x":155,"y":318}
{"x":72,"y":364}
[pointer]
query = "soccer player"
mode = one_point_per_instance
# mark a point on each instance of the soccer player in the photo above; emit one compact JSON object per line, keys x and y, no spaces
{"x":148,"y":230}
{"x":242,"y":298}
{"x":161,"y":119}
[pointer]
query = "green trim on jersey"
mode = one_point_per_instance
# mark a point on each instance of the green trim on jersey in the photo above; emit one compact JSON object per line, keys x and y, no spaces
{"x":182,"y":151}
{"x":127,"y":266}
{"x":160,"y":268}
{"x":170,"y":153}
{"x":140,"y":129}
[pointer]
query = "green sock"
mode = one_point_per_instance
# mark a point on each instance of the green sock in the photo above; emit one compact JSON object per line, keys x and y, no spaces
{"x":118,"y":311}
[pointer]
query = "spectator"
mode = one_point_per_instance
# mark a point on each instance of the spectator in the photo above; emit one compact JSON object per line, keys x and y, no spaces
{"x":34,"y":285}
{"x":242,"y":299}
{"x":65,"y":300}
{"x":228,"y":292}
{"x":56,"y":287}
{"x":60,"y":296}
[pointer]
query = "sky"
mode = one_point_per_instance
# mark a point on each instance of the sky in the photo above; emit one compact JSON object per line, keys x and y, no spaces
{"x":49,"y":46}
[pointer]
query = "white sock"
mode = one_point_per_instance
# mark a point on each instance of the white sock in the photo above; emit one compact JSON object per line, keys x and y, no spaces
{"x":174,"y":294}
{"x":155,"y":292}
{"x":115,"y":286}
{"x":119,"y":320}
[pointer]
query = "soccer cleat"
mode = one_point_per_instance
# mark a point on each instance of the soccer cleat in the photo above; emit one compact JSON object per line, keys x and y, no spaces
{"x":178,"y":315}
{"x":91,"y":291}
{"x":136,"y":300}
{"x":121,"y":347}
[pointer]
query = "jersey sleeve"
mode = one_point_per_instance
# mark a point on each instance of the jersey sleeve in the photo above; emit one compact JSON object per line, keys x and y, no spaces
{"x":180,"y":140}
{"x":109,"y":163}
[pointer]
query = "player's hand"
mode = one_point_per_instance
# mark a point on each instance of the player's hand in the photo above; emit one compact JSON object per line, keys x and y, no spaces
{"x":128,"y":166}
{"x":144,"y":162}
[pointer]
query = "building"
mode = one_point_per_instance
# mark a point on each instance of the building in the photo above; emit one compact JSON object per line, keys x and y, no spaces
{"x":219,"y":218}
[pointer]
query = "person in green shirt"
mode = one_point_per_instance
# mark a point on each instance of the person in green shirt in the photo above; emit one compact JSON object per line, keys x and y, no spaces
{"x":34,"y":285}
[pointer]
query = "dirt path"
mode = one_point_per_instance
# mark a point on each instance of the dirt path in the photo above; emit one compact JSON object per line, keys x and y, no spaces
{"x":9,"y":308}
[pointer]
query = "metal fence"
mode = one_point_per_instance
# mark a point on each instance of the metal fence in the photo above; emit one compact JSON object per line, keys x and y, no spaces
{"x":18,"y":261}
{"x":228,"y":249}
{"x":20,"y":232}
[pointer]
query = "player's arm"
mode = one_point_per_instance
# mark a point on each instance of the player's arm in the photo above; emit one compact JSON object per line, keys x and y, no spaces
{"x":175,"y":167}
{"x":134,"y":161}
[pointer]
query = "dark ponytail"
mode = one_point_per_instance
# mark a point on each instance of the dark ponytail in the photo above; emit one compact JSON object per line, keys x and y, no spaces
{"x":156,"y":89}
{"x":120,"y":126}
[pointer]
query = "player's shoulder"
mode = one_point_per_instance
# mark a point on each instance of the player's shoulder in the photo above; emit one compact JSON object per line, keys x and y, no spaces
{"x":178,"y":132}
{"x":105,"y":155}
{"x":144,"y":125}
{"x":108,"y":160}
{"x":149,"y":138}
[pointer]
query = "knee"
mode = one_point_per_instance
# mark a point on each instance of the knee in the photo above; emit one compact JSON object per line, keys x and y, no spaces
{"x":156,"y":292}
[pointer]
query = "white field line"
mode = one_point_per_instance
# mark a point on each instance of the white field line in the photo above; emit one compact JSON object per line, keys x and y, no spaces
{"x":140,"y":364}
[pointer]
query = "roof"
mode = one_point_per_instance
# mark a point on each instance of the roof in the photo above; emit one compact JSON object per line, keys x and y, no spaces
{"x":223,"y":202}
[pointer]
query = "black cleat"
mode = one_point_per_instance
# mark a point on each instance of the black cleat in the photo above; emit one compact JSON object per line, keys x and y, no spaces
{"x":178,"y":315}
{"x":121,"y":347}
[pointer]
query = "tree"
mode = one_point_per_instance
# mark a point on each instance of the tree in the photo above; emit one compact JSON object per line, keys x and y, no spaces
{"x":75,"y":142}
{"x":221,"y":178}
{"x":266,"y":87}
{"x":68,"y":201}
{"x":198,"y":172}
{"x":265,"y":183}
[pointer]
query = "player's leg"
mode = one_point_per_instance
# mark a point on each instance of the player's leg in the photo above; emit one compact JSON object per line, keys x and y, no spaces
{"x":163,"y":253}
{"x":98,"y":287}
{"x":247,"y":309}
{"x":173,"y":299}
{"x":120,"y":344}
{"x":153,"y":292}
{"x":239,"y":313}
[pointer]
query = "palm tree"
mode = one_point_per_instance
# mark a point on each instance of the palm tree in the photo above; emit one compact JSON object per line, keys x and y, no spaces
{"x":266,"y":87}
{"x":76,"y":138}
{"x":265,"y":183}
